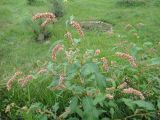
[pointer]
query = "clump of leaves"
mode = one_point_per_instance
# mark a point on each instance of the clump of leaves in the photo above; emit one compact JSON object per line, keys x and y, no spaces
{"x":31,"y":2}
{"x":40,"y":33}
{"x":57,"y":7}
{"x":131,"y":2}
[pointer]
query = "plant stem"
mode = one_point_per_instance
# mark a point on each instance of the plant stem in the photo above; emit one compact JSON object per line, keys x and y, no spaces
{"x":29,"y":97}
{"x":140,"y":114}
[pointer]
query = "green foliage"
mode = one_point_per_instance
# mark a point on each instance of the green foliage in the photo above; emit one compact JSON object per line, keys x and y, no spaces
{"x":31,"y":2}
{"x":90,"y":111}
{"x":132,"y":2}
{"x":57,"y":7}
{"x":38,"y":33}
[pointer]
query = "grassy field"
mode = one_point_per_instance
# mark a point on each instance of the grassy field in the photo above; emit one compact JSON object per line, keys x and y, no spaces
{"x":20,"y":52}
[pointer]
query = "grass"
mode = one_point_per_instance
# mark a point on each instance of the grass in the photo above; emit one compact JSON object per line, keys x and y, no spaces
{"x":19,"y":51}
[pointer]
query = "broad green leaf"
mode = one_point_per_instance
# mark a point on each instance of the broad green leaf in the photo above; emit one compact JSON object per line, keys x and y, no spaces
{"x":73,"y":104}
{"x":42,"y":117}
{"x":35,"y":106}
{"x":112,"y":104}
{"x":55,"y":107}
{"x":99,"y":98}
{"x":76,"y":42}
{"x":50,"y":66}
{"x":55,"y":82}
{"x":155,"y":61}
{"x":114,"y":48}
{"x":158,"y":104}
{"x":89,"y":69}
{"x":129,"y":103}
{"x":90,"y":111}
{"x":135,"y":50}
{"x":72,"y":70}
{"x":67,"y":22}
{"x":101,"y":81}
{"x":79,"y":112}
{"x":112,"y":111}
{"x":77,"y":89}
{"x":148,"y":44}
{"x":144,"y":104}
{"x":71,"y":18}
{"x":65,"y":114}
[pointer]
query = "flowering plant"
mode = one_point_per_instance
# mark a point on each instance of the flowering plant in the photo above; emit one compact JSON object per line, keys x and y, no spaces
{"x":88,"y":87}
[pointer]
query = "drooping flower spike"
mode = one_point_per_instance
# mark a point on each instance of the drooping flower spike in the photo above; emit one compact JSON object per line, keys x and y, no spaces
{"x":128,"y":57}
{"x":11,"y":80}
{"x":56,"y":49}
{"x":77,"y":26}
{"x":49,"y":17}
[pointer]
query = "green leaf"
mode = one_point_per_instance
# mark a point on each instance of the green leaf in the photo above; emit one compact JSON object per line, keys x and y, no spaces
{"x":50,"y":66}
{"x":90,"y":111}
{"x":88,"y":69}
{"x":72,"y":70}
{"x":76,"y":42}
{"x":101,"y":81}
{"x":42,"y":117}
{"x":76,"y":89}
{"x":155,"y":61}
{"x":148,"y":44}
{"x":79,"y":112}
{"x":55,"y":82}
{"x":112,"y":112}
{"x":135,"y":50}
{"x":71,"y":18}
{"x":67,"y":22}
{"x":65,"y":114}
{"x":35,"y":106}
{"x":55,"y":107}
{"x":129,"y":103}
{"x":99,"y":99}
{"x":144,"y":104}
{"x":158,"y":104}
{"x":73,"y":104}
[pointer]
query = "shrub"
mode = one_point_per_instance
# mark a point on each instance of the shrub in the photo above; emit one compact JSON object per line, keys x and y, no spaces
{"x":57,"y":7}
{"x":40,"y":28}
{"x":131,"y":2}
{"x":31,"y":2}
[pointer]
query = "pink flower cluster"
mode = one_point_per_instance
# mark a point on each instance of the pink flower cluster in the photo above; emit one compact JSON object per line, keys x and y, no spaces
{"x":97,"y":52}
{"x":128,"y":57}
{"x":77,"y":26}
{"x":133,"y":91}
{"x":69,"y":36}
{"x":123,"y":85}
{"x":11,"y":80}
{"x":50,"y":17}
{"x":105,"y":63}
{"x":23,"y":81}
{"x":56,"y":49}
